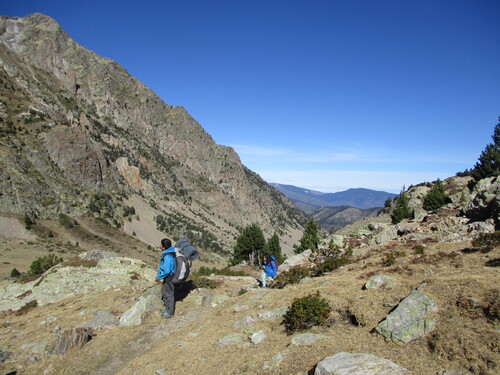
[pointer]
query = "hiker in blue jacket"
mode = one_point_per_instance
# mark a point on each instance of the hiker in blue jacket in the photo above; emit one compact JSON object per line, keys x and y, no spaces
{"x":166,"y":272}
{"x":269,"y":272}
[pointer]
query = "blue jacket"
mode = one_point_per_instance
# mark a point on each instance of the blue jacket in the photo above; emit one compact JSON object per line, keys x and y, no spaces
{"x":270,"y":268}
{"x":167,"y":263}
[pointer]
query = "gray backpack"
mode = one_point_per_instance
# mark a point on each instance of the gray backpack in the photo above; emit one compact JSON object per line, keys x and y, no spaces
{"x":182,"y":266}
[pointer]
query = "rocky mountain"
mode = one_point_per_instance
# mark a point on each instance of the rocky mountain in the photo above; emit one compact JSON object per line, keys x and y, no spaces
{"x":79,"y":136}
{"x":332,"y":218}
{"x":358,"y":198}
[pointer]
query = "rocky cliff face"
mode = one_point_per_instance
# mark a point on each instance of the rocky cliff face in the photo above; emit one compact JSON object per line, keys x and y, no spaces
{"x":78,"y":134}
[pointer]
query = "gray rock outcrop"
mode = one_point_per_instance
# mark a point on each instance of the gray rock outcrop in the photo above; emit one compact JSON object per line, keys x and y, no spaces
{"x":378,"y":281}
{"x":73,"y":338}
{"x":410,"y":320}
{"x":149,"y":301}
{"x":296,"y":260}
{"x":358,"y":364}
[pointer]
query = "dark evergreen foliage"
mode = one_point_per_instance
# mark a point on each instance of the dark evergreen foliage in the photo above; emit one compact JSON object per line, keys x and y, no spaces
{"x":42,"y":264}
{"x":310,"y":238}
{"x":489,"y":160}
{"x":273,"y":248}
{"x":401,"y":208}
{"x":249,"y":246}
{"x":305,"y":312}
{"x":436,"y":197}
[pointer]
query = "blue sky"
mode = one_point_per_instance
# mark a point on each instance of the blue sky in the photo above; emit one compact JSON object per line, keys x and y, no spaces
{"x":326,"y":95}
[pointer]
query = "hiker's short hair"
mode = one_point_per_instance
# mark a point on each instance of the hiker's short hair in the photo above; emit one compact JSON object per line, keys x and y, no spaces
{"x":166,"y":243}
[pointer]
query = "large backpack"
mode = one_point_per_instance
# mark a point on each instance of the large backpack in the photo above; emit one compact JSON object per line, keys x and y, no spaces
{"x":182,"y":266}
{"x":275,"y":263}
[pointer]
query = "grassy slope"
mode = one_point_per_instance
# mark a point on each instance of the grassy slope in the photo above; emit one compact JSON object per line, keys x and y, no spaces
{"x":465,"y":337}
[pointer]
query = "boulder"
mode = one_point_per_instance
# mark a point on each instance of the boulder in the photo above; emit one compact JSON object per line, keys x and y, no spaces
{"x":149,"y":301}
{"x":258,"y":337}
{"x":272,"y":314}
{"x":486,"y":201}
{"x":410,"y":320}
{"x":101,"y":320}
{"x":386,"y":235}
{"x":296,"y":260}
{"x":358,"y":364}
{"x":72,"y":338}
{"x":378,"y":281}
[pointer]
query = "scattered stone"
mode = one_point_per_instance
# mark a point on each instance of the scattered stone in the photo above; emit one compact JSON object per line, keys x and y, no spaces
{"x":428,"y":272}
{"x":378,"y":281}
{"x":231,"y":339}
{"x":305,"y":280}
{"x":4,"y":355}
{"x":101,"y":320}
{"x":358,"y":364}
{"x":98,"y":255}
{"x":305,"y":339}
{"x":410,"y":320}
{"x":35,"y":347}
{"x":73,"y":338}
{"x":451,"y":372}
{"x":238,"y":308}
{"x":386,"y":235}
{"x":258,"y":337}
{"x":246,"y":321}
{"x":272,"y":314}
{"x":161,"y":371}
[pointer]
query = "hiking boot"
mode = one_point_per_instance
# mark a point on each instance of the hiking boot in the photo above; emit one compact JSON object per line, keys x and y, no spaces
{"x":166,"y":315}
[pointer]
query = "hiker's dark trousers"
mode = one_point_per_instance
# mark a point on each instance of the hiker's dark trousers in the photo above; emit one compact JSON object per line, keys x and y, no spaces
{"x":167,"y":295}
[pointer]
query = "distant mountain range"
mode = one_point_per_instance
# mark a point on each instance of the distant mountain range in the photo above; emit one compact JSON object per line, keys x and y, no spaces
{"x":335,"y":210}
{"x":307,"y":200}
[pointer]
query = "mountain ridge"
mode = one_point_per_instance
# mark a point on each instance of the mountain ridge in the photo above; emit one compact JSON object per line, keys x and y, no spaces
{"x":80,"y":136}
{"x":355,"y":197}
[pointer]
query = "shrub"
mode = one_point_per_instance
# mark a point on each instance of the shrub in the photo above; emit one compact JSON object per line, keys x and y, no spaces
{"x":128,"y":210}
{"x":28,"y":222}
{"x":77,"y":262}
{"x":203,"y":282}
{"x":50,"y":234}
{"x":420,"y":249}
{"x":292,"y":276}
{"x":242,"y":291}
{"x":305,"y":312}
{"x":66,"y":221}
{"x":207,"y":271}
{"x":487,"y":241}
{"x":488,"y":164}
{"x":15,"y":273}
{"x":42,"y":264}
{"x":331,"y":263}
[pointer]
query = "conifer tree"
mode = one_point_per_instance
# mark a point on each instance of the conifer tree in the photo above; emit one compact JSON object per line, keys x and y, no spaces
{"x":273,"y":248}
{"x":310,"y":238}
{"x":401,"y":208}
{"x":436,"y":197}
{"x":249,"y":245}
{"x":489,"y":160}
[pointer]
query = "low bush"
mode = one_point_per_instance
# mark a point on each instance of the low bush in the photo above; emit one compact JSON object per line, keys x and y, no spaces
{"x":487,"y":241}
{"x":203,"y":282}
{"x":331,"y":263}
{"x":207,"y":271}
{"x":77,"y":262}
{"x":42,"y":264}
{"x":292,"y":276}
{"x":15,"y":273}
{"x":420,"y":250}
{"x":306,"y":312}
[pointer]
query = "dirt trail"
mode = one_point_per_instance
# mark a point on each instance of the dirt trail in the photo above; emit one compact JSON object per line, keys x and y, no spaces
{"x":116,"y":360}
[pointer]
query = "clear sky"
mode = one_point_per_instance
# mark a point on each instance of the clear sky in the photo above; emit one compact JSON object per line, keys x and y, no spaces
{"x":322,"y":94}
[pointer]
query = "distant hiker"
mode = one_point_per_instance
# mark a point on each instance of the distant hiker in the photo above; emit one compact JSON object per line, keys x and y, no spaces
{"x":269,"y":267}
{"x":166,"y":272}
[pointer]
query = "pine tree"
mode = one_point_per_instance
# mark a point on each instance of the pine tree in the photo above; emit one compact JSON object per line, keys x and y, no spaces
{"x":249,"y":245}
{"x":489,"y":160}
{"x":436,"y":197}
{"x":401,"y":208}
{"x":273,"y":248}
{"x":310,"y":238}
